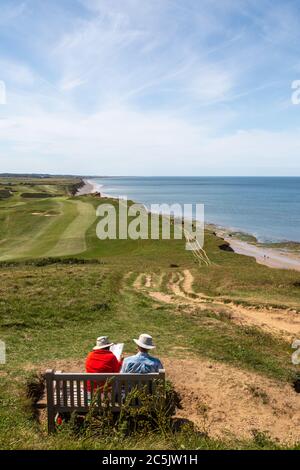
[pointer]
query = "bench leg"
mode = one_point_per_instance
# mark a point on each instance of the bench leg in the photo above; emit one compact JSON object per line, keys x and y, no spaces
{"x":51,"y":421}
{"x":50,"y":401}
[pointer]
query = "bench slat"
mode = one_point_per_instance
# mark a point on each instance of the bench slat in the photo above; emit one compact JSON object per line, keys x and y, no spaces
{"x":85,"y":394}
{"x":78,"y":389}
{"x":72,"y":395}
{"x":65,"y":393}
{"x":103,"y":377}
{"x":57,"y":388}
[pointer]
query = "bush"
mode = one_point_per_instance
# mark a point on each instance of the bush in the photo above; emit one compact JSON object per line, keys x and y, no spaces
{"x":100,"y":420}
{"x":35,"y":387}
{"x":154,"y":413}
{"x":262,"y":440}
{"x":34,"y":392}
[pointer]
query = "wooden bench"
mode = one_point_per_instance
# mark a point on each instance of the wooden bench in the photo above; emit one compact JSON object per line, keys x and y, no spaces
{"x":69,"y":392}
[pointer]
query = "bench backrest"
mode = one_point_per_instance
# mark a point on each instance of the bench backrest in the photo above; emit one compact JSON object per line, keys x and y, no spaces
{"x":68,"y":392}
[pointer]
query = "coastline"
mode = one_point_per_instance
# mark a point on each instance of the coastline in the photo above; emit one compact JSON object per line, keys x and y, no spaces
{"x":89,"y":187}
{"x":267,"y":255}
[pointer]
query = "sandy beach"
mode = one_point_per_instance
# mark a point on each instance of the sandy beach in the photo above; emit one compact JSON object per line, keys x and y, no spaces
{"x":271,"y":257}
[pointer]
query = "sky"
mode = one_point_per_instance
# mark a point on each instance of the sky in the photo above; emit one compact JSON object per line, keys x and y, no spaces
{"x":149,"y":87}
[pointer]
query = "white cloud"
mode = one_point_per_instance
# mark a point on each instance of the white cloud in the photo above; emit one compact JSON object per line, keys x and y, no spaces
{"x":70,"y":84}
{"x":122,"y":141}
{"x":212,"y":83}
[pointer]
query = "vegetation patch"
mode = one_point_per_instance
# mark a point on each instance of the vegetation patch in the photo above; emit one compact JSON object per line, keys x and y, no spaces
{"x":49,"y":262}
{"x":296,"y":383}
{"x":5,"y":193}
{"x":226,"y":247}
{"x":39,"y":195}
{"x":141,"y":413}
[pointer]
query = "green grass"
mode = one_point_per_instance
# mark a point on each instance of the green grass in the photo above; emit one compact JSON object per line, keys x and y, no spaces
{"x":54,"y":312}
{"x":55,"y":225}
{"x":44,"y":305}
{"x":73,"y":239}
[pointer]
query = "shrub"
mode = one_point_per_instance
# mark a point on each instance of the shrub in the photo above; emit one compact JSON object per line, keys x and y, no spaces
{"x":262,"y":440}
{"x":100,"y":420}
{"x":34,"y":392}
{"x":154,"y":413}
{"x":35,"y":387}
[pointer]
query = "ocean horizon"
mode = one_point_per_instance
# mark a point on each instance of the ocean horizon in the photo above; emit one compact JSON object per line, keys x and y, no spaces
{"x":265,"y":207}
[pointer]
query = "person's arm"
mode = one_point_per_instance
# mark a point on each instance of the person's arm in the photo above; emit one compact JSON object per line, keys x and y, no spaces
{"x":117,"y":364}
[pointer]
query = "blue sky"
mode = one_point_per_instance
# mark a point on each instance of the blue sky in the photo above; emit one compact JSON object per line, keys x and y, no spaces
{"x":150,"y":87}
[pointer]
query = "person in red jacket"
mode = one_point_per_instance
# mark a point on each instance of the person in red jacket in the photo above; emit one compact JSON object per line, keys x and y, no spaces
{"x":101,"y":359}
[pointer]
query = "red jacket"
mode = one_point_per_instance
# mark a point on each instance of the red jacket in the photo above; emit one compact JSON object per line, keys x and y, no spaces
{"x":102,"y":361}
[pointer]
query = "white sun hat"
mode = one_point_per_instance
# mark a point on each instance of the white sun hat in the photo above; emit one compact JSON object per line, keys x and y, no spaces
{"x":102,"y":342}
{"x":145,"y":341}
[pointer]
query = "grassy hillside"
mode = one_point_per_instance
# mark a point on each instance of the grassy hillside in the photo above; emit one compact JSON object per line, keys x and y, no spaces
{"x":52,"y":311}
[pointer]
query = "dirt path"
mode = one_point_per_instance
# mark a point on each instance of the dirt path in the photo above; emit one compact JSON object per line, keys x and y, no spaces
{"x":180,"y":291}
{"x":281,"y":322}
{"x":224,"y":401}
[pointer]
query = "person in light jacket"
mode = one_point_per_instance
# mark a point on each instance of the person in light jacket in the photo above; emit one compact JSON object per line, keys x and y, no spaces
{"x":142,"y":362}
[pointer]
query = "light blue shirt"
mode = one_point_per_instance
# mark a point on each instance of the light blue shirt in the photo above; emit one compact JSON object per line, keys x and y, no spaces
{"x":141,"y":363}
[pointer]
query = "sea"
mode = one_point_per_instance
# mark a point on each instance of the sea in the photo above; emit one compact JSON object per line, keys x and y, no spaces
{"x":265,"y":207}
